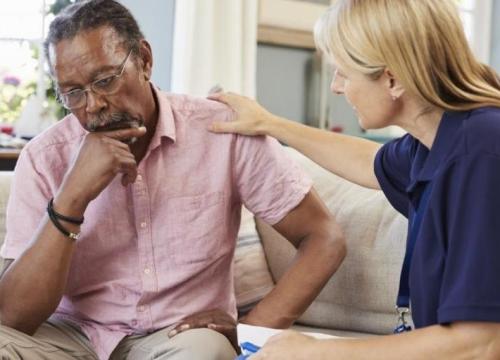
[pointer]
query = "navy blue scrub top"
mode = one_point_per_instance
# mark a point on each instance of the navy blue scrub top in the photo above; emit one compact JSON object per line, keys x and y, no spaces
{"x":455,"y":270}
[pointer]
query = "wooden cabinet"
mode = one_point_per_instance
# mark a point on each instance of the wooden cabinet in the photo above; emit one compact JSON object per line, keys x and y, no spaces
{"x":289,"y":22}
{"x":8,"y":158}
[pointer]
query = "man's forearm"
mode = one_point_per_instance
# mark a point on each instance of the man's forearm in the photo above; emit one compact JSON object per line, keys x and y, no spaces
{"x":31,"y":289}
{"x":32,"y":286}
{"x":318,"y":257}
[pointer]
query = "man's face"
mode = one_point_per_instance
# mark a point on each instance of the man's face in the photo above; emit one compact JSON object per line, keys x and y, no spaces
{"x":92,"y":57}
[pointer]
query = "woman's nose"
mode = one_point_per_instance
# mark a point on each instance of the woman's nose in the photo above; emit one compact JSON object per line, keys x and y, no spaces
{"x":337,"y":84}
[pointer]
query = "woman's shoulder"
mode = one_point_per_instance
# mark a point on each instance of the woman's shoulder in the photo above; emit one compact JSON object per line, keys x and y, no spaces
{"x":482,"y":130}
{"x":484,"y":119}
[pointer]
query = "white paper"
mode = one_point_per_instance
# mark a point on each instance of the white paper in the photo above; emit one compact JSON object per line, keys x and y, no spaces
{"x":258,"y":335}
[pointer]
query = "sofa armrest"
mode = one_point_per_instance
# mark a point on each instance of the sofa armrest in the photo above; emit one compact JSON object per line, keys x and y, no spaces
{"x":5,"y":184}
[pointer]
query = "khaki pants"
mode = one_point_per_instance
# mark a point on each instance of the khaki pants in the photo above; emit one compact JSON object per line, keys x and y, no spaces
{"x":61,"y":340}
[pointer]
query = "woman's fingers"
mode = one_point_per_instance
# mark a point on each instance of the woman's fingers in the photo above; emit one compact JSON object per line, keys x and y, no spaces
{"x":224,"y":127}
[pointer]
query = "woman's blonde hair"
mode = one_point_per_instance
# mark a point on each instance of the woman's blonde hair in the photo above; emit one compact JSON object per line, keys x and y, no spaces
{"x":422,"y":42}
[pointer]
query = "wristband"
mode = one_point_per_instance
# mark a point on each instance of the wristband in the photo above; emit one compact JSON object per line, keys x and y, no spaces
{"x":50,"y":209}
{"x":53,"y":217}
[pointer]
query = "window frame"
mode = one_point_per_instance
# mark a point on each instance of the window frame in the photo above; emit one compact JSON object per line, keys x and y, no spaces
{"x":480,"y":40}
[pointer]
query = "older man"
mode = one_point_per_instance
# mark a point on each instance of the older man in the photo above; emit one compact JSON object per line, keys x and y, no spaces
{"x":122,"y":218}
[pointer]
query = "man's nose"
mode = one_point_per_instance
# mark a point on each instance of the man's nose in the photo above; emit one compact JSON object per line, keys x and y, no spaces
{"x":95,"y":102}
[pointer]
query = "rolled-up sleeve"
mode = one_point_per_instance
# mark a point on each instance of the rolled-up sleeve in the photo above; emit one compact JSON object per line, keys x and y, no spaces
{"x":268,"y":181}
{"x":392,"y":168}
{"x":26,"y":206}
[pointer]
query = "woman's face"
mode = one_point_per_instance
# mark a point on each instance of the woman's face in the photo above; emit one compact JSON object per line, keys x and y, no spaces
{"x":370,"y":99}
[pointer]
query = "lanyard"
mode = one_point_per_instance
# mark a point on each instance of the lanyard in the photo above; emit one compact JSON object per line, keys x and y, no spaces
{"x":403,"y":300}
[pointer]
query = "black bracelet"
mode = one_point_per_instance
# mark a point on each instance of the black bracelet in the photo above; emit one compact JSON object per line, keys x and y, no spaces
{"x":50,"y":209}
{"x":57,"y":224}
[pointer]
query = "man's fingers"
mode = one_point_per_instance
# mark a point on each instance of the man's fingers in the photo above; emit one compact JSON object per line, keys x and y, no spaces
{"x":128,"y":167}
{"x":124,"y":134}
{"x":179,"y":328}
{"x":221,"y":327}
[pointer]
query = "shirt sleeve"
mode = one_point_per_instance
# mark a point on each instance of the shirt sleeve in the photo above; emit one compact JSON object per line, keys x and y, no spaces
{"x":392,"y":169}
{"x":269,"y":182}
{"x":25,"y":208}
{"x":470,"y":290}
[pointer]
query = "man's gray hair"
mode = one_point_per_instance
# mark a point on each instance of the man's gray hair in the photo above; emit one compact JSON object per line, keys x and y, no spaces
{"x":92,"y":14}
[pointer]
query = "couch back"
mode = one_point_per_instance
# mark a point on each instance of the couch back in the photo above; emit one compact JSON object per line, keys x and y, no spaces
{"x":361,"y":295}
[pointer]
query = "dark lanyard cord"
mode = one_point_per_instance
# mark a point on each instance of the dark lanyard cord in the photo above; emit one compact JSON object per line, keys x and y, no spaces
{"x":403,"y":299}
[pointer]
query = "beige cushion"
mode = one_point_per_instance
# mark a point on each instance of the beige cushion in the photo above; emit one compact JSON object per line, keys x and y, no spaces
{"x":361,"y":295}
{"x":252,"y":279}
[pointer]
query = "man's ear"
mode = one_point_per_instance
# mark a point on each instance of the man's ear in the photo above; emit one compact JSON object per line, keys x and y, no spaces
{"x":145,"y":59}
{"x":394,"y":87}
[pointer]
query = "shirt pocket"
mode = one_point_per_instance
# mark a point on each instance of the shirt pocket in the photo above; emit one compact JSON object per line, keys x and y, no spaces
{"x":195,"y":227}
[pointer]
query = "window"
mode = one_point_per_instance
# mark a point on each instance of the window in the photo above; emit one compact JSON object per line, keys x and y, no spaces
{"x":476,"y":17}
{"x":22,"y":67}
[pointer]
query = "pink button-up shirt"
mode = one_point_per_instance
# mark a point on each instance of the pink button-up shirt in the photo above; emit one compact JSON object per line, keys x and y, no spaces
{"x":160,"y":249}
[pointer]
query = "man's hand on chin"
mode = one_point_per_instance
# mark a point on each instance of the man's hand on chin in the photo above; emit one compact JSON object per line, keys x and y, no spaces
{"x":216,"y":320}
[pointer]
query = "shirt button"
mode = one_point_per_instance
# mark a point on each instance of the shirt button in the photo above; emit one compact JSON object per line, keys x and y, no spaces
{"x":141,"y":308}
{"x":144,"y":224}
{"x":147,"y":271}
{"x":139,"y":178}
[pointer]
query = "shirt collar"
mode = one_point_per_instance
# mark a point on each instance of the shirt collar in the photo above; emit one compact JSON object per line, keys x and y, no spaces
{"x":165,"y":127}
{"x":428,"y":162}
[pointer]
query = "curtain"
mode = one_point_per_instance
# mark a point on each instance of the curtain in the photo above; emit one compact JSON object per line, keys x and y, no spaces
{"x":215,"y":43}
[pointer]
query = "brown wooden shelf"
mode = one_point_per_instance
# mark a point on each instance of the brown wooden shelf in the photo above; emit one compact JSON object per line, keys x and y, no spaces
{"x":285,"y":37}
{"x":8,"y":158}
{"x":9,"y":154}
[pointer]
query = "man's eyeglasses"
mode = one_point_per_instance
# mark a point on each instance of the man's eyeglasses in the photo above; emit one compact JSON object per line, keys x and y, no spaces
{"x":108,"y":85}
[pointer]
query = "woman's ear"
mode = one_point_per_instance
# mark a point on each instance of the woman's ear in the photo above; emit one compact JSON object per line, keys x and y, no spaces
{"x":394,"y":87}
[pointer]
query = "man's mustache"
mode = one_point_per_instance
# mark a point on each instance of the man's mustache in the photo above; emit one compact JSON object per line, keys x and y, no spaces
{"x":113,"y":121}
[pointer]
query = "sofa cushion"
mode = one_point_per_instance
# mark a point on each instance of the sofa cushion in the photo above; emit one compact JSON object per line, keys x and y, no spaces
{"x":252,"y":278}
{"x":360,"y":297}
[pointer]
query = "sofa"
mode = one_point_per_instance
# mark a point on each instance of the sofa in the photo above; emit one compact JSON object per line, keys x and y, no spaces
{"x":359,"y":299}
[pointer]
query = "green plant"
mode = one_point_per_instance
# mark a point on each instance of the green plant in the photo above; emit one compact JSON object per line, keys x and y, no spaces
{"x":58,"y":5}
{"x":13,"y":97}
{"x":14,"y":94}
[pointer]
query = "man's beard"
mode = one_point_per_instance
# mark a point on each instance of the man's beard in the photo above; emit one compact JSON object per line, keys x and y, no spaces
{"x":115,"y":121}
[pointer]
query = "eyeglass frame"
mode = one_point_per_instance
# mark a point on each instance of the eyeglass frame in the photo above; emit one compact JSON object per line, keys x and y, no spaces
{"x":90,"y":87}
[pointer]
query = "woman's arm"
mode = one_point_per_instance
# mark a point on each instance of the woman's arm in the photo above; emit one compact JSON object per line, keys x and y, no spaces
{"x":459,"y":341}
{"x":347,"y":156}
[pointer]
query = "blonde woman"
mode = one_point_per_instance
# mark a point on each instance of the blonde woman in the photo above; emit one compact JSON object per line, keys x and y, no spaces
{"x":407,"y":63}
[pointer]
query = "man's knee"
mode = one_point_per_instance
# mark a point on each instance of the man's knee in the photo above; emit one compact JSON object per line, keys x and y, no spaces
{"x":16,"y":345}
{"x":13,"y":343}
{"x":199,"y":344}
